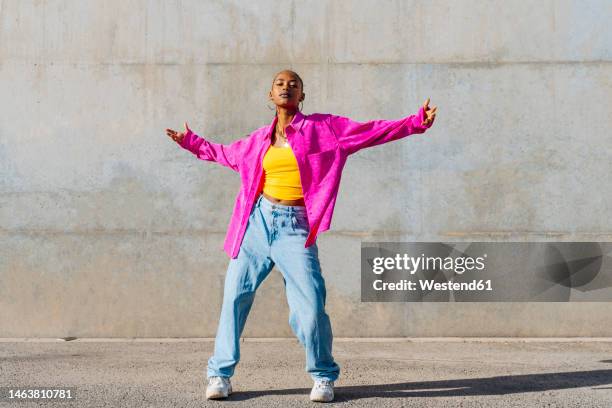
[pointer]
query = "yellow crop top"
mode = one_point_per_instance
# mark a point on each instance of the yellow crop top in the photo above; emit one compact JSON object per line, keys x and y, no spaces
{"x":282,"y":177}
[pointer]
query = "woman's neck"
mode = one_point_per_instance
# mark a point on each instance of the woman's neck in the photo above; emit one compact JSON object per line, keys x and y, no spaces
{"x":285,"y":117}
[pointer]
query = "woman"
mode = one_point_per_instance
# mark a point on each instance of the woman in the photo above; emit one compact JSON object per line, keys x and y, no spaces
{"x":290,"y":173}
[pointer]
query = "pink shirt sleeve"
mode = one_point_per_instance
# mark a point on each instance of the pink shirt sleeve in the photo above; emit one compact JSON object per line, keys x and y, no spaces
{"x":354,"y":136}
{"x":226,"y":155}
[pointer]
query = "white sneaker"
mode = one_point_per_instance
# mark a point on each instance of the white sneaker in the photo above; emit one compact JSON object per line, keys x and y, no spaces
{"x":218,"y":387}
{"x":322,"y":391}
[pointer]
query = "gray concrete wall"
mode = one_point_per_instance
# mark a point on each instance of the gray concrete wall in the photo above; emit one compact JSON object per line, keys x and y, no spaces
{"x":109,"y":229}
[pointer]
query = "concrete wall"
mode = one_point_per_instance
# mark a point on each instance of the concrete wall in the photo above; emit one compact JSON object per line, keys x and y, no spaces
{"x":109,"y":229}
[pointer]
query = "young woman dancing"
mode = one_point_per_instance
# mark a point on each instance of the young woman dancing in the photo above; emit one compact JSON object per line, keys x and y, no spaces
{"x":290,"y":172}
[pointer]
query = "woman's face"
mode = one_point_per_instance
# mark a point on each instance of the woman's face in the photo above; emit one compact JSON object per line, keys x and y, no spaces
{"x":286,"y":91}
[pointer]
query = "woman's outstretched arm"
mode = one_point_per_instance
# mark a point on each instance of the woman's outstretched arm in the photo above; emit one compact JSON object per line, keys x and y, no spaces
{"x":226,"y":155}
{"x":354,"y":136}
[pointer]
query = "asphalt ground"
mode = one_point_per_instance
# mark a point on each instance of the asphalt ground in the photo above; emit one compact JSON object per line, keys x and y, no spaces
{"x":374,"y":372}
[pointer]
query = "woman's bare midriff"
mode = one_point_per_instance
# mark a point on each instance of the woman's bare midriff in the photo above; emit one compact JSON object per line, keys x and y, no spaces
{"x":284,"y":202}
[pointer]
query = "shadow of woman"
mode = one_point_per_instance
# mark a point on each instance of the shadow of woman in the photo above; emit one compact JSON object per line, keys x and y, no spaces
{"x":499,"y":385}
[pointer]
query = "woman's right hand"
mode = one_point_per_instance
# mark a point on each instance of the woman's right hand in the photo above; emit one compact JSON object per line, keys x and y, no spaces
{"x":177,"y":136}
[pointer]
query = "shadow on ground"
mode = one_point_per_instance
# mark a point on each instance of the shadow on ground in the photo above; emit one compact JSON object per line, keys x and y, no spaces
{"x":500,"y":385}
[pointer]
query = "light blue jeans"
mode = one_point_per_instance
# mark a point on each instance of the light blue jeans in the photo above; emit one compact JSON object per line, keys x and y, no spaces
{"x":275,"y":235}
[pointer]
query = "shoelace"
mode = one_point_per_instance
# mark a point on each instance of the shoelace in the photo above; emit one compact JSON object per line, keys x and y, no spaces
{"x":216,"y":381}
{"x":324,"y":384}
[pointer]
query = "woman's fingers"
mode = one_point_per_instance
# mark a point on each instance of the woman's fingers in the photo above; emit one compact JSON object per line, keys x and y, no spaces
{"x":177,"y":136}
{"x":173,"y":134}
{"x":430,"y":113}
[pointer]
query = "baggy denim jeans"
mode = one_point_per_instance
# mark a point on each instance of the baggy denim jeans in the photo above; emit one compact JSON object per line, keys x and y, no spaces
{"x":275,"y":235}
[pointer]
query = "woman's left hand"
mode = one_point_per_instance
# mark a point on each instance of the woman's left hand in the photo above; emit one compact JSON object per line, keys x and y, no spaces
{"x":430,"y":113}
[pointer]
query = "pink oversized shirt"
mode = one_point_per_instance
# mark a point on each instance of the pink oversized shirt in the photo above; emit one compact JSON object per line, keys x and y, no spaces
{"x":321,"y":144}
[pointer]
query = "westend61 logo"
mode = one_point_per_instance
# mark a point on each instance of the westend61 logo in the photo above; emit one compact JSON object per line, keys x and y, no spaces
{"x":486,"y":271}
